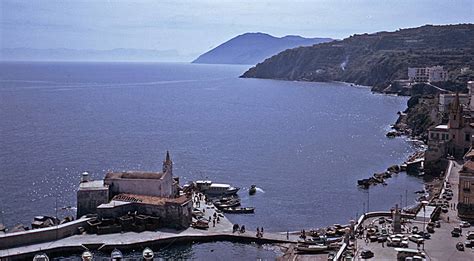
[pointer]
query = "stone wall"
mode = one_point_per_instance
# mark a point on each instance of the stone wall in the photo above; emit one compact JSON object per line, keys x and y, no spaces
{"x":171,"y":215}
{"x":88,"y":200}
{"x":41,"y":235}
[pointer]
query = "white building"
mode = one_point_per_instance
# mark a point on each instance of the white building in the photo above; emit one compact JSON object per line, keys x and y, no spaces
{"x":445,"y":100}
{"x":427,"y":74}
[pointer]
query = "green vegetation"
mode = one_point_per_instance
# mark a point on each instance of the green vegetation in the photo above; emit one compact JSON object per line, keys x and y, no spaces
{"x":377,"y":59}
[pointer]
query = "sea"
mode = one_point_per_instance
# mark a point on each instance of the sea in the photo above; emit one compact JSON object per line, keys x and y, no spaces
{"x":304,"y":144}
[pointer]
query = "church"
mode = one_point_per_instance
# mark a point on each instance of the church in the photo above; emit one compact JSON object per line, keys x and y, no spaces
{"x":155,"y":194}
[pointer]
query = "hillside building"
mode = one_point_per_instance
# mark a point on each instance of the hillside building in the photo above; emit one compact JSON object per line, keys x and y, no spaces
{"x":451,"y":139}
{"x":465,"y":205}
{"x":427,"y":74}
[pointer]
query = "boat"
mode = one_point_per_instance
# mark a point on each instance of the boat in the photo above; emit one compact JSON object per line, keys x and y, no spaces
{"x":311,"y":248}
{"x":87,"y":256}
{"x":253,"y":190}
{"x":116,"y":255}
{"x":232,"y":203}
{"x":200,"y":224}
{"x":41,"y":257}
{"x":215,"y":189}
{"x":148,"y":254}
{"x":238,"y":210}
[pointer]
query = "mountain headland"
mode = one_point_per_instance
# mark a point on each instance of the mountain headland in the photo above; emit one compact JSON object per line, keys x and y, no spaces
{"x":251,"y":48}
{"x":377,"y":59}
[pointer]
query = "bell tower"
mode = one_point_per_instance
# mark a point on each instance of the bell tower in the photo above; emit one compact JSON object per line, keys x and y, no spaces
{"x":168,"y":164}
{"x":455,"y":114}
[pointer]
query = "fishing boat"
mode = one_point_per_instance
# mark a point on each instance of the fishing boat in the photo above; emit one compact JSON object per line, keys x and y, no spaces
{"x":238,"y":210}
{"x":148,"y":254}
{"x":311,"y":248}
{"x":232,"y":203}
{"x":215,"y":189}
{"x":200,"y":224}
{"x":41,"y":257}
{"x":253,"y":190}
{"x":87,"y":256}
{"x":116,"y":255}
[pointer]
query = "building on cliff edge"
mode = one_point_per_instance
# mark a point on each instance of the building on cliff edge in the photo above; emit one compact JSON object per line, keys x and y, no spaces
{"x":454,"y":138}
{"x":149,"y":193}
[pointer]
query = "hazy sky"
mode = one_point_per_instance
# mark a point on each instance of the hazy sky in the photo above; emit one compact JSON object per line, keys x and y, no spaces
{"x":197,"y":26}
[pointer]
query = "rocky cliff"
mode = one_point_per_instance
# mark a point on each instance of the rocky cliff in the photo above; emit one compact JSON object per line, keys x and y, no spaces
{"x":376,"y":59}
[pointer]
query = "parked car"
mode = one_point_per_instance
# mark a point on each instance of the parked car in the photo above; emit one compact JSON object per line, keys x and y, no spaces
{"x":424,"y":235}
{"x":456,"y":232}
{"x":444,"y":209}
{"x":366,"y":254}
{"x":464,"y":224}
{"x":460,"y":246}
{"x":416,"y":238}
{"x":437,"y":223}
{"x":470,"y":235}
{"x":469,"y":243}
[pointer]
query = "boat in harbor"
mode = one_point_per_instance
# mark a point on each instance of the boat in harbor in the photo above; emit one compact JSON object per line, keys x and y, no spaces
{"x":41,"y":257}
{"x":311,"y":248}
{"x":238,"y":210}
{"x":116,"y":255}
{"x":200,"y":224}
{"x":231,"y":203}
{"x":87,"y":256}
{"x":215,"y":189}
{"x":253,"y":190}
{"x":148,"y":254}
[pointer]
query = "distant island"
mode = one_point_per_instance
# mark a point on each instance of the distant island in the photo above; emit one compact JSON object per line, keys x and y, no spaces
{"x":65,"y":54}
{"x":378,"y":59}
{"x":251,"y":48}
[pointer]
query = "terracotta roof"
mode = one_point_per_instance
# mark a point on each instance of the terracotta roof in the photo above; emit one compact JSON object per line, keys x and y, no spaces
{"x":468,"y":166}
{"x":134,"y":175}
{"x":152,"y":200}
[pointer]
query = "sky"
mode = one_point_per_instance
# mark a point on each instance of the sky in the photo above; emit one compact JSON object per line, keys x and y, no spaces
{"x":194,"y":27}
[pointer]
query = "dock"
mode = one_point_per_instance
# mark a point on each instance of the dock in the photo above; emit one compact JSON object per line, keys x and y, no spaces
{"x":222,"y":231}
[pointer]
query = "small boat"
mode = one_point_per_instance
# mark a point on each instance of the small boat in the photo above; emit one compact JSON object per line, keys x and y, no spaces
{"x":200,"y":224}
{"x":87,"y":256}
{"x":311,"y":248}
{"x":148,"y":254}
{"x":215,"y":189}
{"x":116,"y":255}
{"x":227,"y":204}
{"x":41,"y":257}
{"x":253,"y":190}
{"x":239,"y":210}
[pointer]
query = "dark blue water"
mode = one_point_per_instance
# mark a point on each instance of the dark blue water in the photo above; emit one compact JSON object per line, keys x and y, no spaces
{"x":304,"y":144}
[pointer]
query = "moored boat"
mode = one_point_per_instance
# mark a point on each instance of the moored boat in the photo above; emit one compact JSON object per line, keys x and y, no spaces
{"x":311,"y":248}
{"x":148,"y":254}
{"x":215,"y":189}
{"x":238,"y":210}
{"x":200,"y":224}
{"x":116,"y":255}
{"x":232,"y":203}
{"x":253,"y":190}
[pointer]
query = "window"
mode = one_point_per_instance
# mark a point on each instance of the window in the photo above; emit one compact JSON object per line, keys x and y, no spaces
{"x":468,"y":137}
{"x":467,"y":184}
{"x":466,"y":200}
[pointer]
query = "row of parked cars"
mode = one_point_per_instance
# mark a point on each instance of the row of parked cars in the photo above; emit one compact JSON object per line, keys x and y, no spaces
{"x":457,"y":232}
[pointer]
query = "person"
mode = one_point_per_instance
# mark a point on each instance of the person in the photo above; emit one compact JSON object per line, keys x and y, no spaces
{"x":213,"y":223}
{"x":218,"y":219}
{"x":448,"y":219}
{"x":258,"y":232}
{"x":287,"y":235}
{"x":242,"y":229}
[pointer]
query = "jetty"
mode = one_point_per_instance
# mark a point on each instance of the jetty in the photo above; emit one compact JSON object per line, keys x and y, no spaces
{"x":222,"y":231}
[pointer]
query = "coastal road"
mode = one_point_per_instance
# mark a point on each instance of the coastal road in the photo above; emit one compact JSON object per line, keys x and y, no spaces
{"x":442,"y":246}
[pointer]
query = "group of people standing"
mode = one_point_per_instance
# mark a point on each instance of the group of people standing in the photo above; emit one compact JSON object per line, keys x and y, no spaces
{"x":259,"y":232}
